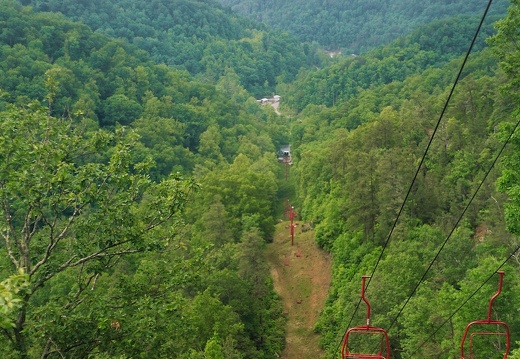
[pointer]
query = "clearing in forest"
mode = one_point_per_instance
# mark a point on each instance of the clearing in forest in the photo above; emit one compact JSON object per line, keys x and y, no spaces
{"x":301,"y":276}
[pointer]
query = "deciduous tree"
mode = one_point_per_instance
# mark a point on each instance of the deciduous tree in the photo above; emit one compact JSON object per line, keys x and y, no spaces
{"x":73,"y":201}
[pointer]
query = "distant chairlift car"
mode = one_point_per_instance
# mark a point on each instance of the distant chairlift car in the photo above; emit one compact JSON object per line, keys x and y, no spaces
{"x":497,"y":329}
{"x":285,"y":155}
{"x":373,"y":334}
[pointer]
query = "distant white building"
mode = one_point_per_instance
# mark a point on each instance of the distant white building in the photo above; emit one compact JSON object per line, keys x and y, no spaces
{"x":275,"y":98}
{"x":333,"y":54}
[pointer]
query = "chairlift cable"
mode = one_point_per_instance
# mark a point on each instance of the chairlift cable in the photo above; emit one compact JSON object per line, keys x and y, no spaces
{"x":385,"y":245}
{"x":457,"y":222}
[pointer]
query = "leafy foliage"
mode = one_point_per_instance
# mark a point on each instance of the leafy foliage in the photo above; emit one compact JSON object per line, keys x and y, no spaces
{"x":342,"y":84}
{"x":108,"y":252}
{"x":355,"y":26}
{"x":10,"y":291}
{"x":102,"y":221}
{"x":355,"y":160}
{"x":64,"y":210}
{"x":198,"y":36}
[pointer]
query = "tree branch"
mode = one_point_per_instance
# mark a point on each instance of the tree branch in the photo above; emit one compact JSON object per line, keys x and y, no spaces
{"x":53,"y":242}
{"x":156,"y":221}
{"x":27,"y":233}
{"x":90,"y":342}
{"x":9,"y":336}
{"x":7,"y":237}
{"x":47,"y":350}
{"x":81,"y":288}
{"x":99,"y":254}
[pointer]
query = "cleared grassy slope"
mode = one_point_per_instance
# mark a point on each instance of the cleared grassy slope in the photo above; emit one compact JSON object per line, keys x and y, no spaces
{"x":301,"y":276}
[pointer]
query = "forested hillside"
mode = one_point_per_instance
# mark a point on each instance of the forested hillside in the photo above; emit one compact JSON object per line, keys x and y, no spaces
{"x":136,"y":241}
{"x":344,"y":80}
{"x":415,"y":199}
{"x":139,"y":183}
{"x":199,"y":36}
{"x":356,"y":26}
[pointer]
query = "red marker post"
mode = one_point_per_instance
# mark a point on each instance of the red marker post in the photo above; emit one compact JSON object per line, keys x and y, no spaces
{"x":287,"y":209}
{"x":292,"y":225}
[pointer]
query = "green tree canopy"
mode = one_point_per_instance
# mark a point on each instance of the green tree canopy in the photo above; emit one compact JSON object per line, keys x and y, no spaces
{"x":65,"y":206}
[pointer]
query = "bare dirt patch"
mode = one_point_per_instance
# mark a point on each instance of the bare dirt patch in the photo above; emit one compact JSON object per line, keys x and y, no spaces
{"x":301,"y":276}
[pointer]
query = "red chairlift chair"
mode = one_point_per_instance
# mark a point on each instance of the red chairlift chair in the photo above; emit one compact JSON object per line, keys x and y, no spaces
{"x":368,"y":331}
{"x":487,"y":322}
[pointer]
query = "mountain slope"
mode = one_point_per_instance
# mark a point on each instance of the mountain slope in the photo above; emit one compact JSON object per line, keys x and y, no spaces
{"x":195,"y":292}
{"x":356,"y":25}
{"x":198,"y":36}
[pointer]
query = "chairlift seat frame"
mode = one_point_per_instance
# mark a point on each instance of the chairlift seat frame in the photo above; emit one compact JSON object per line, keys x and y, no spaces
{"x":384,"y":350}
{"x":347,"y":354}
{"x":487,"y":322}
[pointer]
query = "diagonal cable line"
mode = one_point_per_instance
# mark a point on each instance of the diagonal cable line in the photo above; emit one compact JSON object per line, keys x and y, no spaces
{"x":457,"y":223}
{"x":385,"y":245}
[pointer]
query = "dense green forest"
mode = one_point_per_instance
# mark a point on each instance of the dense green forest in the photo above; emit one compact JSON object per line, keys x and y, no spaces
{"x":140,"y":183}
{"x":342,"y":82}
{"x":356,"y":26}
{"x":357,"y":152}
{"x":136,"y":202}
{"x":198,"y":36}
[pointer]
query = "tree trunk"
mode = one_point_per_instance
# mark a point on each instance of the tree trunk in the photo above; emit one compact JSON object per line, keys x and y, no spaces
{"x":19,"y":337}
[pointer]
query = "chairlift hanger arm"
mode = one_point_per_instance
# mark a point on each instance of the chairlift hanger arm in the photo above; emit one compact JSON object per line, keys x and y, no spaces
{"x":488,"y":321}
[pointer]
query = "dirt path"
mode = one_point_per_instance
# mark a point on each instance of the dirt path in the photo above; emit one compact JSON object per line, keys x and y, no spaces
{"x":301,"y":276}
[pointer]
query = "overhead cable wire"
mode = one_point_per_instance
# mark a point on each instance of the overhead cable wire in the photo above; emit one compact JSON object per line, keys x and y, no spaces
{"x":385,"y":245}
{"x":477,"y":189}
{"x":457,"y":222}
